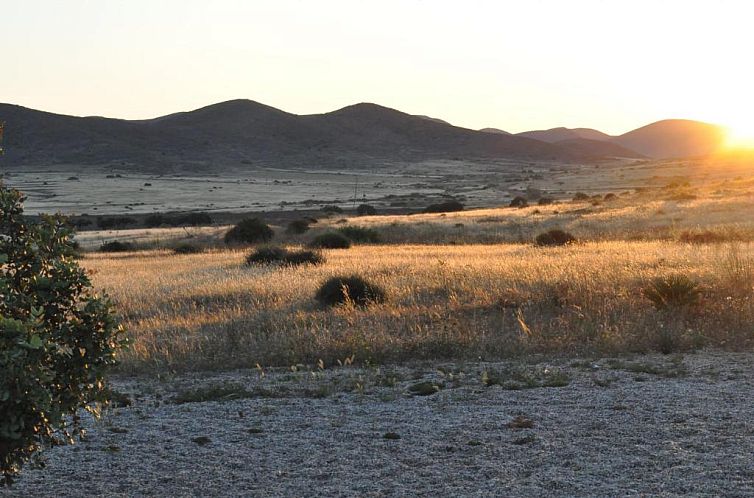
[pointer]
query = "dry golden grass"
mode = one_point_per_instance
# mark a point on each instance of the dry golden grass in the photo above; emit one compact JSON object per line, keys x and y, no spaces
{"x":209,"y":311}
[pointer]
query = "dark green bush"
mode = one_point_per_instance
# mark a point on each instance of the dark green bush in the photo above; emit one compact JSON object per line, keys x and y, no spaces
{"x":57,"y":338}
{"x":360,"y":234}
{"x":303,"y":257}
{"x":270,"y":255}
{"x":444,"y":207}
{"x":673,"y":291}
{"x":249,"y":231}
{"x":116,"y":246}
{"x":332,"y":209}
{"x":297,"y":227}
{"x":366,"y":210}
{"x":187,"y":248}
{"x":266,"y":255}
{"x":330,"y":240}
{"x":518,"y":202}
{"x":554,"y":238}
{"x":115,"y":222}
{"x":349,"y":290}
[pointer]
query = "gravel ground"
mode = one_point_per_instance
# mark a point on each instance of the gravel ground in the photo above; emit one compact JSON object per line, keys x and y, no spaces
{"x":651,"y":425}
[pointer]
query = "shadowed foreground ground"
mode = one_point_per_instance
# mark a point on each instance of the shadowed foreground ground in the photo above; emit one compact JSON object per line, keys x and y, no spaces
{"x":654,"y":425}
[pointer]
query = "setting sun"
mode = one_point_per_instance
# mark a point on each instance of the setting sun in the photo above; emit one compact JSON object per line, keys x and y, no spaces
{"x":740,"y":136}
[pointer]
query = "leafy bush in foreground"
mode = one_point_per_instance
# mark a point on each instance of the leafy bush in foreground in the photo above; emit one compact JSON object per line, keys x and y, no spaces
{"x":57,"y":338}
{"x":360,"y":234}
{"x":249,"y":231}
{"x":330,"y":240}
{"x":349,"y":290}
{"x":554,"y":238}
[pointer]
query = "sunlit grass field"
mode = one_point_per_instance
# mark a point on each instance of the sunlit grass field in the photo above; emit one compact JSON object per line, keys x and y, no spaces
{"x":465,"y":285}
{"x":210,"y":311}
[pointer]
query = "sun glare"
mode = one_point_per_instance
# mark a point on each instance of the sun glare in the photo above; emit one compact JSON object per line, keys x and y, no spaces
{"x":740,"y":136}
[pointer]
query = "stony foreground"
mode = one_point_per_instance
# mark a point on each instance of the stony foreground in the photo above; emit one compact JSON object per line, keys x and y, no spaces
{"x":659,"y":426}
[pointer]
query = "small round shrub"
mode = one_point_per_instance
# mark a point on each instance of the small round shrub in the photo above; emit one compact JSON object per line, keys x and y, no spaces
{"x":330,"y":240}
{"x":545,"y":201}
{"x":360,"y":234}
{"x":554,"y":238}
{"x":349,"y":290}
{"x":444,"y":207}
{"x":116,"y":246}
{"x":266,"y":255}
{"x":518,"y":202}
{"x":366,"y":210}
{"x":297,"y":227}
{"x":610,"y":197}
{"x":249,"y":231}
{"x":580,"y":196}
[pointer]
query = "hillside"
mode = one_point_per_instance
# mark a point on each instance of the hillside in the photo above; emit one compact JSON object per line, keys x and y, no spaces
{"x":242,"y":132}
{"x":673,"y":138}
{"x":555,"y":135}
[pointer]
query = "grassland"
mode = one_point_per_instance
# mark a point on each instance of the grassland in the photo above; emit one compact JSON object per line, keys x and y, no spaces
{"x":464,"y":285}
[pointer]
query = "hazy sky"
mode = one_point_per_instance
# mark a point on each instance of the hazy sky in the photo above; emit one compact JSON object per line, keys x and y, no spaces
{"x":515,"y":65}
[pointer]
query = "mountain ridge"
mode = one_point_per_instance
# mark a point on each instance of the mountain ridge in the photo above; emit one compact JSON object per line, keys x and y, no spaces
{"x":243,"y":131}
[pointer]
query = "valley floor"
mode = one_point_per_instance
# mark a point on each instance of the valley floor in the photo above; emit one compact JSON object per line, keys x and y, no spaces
{"x":645,"y":425}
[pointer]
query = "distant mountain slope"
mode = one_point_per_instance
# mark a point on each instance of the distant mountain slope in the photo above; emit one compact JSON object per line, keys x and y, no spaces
{"x":673,"y":138}
{"x":494,"y":130}
{"x":242,"y":132}
{"x":597,"y":148}
{"x":554,"y":135}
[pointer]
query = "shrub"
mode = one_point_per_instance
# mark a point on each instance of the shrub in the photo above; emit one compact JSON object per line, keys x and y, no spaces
{"x":266,"y":255}
{"x":349,"y":290}
{"x":674,"y":291}
{"x":303,"y":257}
{"x":154,"y":220}
{"x":297,"y":227}
{"x":580,"y":196}
{"x":610,"y":197}
{"x":554,"y":237}
{"x":57,"y":338}
{"x":116,"y":246}
{"x":360,"y":234}
{"x":187,"y":248}
{"x":330,"y":240}
{"x":332,"y":209}
{"x":366,"y":210}
{"x":518,"y":202}
{"x":269,"y":255}
{"x":544,"y":201}
{"x":115,"y":222}
{"x":444,"y":207}
{"x":249,"y":231}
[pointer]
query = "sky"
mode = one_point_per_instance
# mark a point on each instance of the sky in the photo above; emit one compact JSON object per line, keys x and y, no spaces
{"x":515,"y":65}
